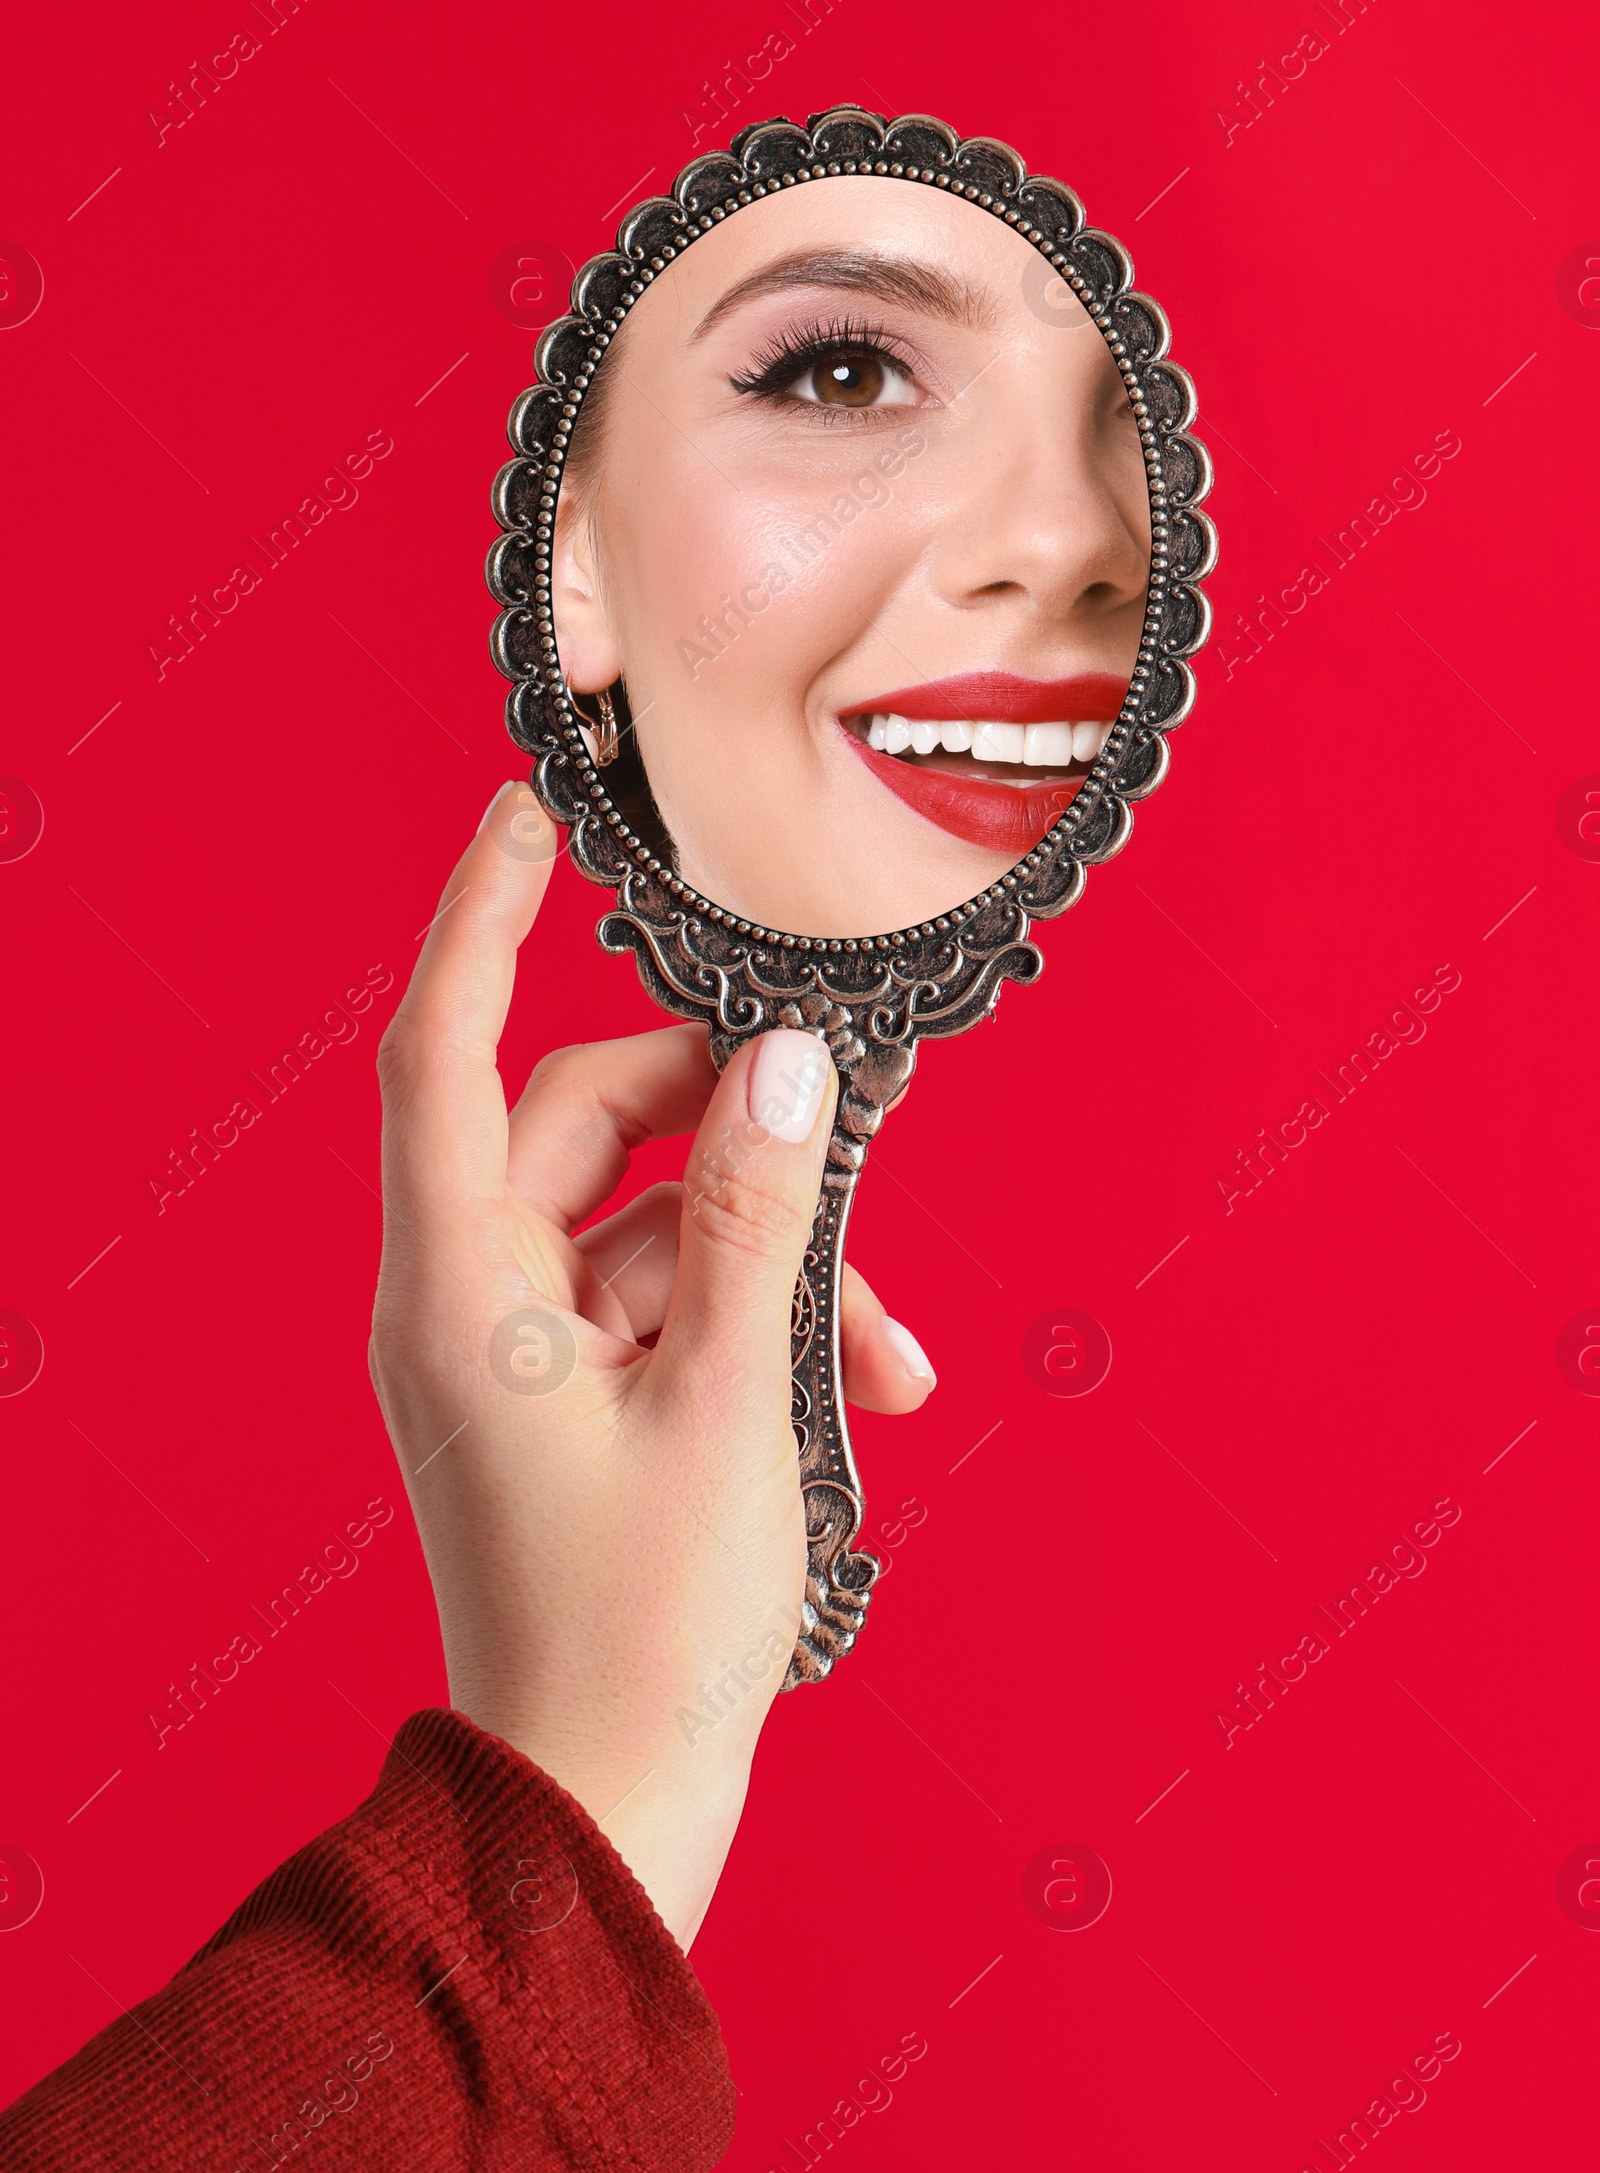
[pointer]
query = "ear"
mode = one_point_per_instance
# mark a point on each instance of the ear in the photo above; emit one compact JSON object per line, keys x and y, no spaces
{"x":585,"y":643}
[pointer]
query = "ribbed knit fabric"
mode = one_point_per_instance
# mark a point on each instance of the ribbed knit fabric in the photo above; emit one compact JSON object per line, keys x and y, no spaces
{"x":463,"y":1973}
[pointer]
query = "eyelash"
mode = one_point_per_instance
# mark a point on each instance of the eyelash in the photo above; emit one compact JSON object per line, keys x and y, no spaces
{"x":792,"y":353}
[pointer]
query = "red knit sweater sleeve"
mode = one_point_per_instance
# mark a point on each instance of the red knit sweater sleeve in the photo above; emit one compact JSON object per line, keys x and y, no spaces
{"x":463,"y":1973}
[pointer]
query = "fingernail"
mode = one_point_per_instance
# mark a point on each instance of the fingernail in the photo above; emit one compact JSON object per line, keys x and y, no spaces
{"x":909,"y":1352}
{"x":786,"y":1083}
{"x":510,"y":785}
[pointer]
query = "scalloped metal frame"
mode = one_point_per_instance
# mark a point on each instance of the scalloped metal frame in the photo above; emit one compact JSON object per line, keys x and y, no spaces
{"x":871,"y":998}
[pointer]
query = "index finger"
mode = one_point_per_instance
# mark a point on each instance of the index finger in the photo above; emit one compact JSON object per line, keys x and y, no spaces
{"x":444,"y":1106}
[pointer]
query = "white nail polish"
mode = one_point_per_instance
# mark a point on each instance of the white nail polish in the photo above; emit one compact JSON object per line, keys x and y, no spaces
{"x":909,"y":1352}
{"x":510,"y":785}
{"x":786,"y":1082}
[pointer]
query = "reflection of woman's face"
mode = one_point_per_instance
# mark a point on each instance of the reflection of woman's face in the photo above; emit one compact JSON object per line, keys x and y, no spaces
{"x":861,"y":519}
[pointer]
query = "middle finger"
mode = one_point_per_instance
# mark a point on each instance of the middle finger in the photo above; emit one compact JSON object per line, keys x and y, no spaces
{"x":585,"y":1110}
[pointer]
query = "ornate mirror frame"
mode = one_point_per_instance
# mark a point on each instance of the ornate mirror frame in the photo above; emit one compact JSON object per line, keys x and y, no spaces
{"x":871,"y":998}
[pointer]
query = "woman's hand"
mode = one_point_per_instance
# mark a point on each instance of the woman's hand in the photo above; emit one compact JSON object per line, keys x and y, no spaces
{"x":614,"y":1532}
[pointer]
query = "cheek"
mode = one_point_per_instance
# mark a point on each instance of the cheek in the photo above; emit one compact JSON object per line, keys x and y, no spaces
{"x":678,"y":542}
{"x":772,"y":579}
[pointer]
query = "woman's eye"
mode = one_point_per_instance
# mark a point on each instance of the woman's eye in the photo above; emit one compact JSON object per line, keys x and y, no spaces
{"x":853,"y":377}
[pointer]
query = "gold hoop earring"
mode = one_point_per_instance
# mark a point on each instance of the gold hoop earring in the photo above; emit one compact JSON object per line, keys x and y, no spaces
{"x":606,"y":738}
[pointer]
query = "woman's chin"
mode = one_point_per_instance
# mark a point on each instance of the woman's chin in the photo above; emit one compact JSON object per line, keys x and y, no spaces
{"x":894,"y":842}
{"x":838,"y":897}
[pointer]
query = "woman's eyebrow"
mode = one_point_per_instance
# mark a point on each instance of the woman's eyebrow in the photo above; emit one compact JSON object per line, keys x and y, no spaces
{"x":907,"y":280}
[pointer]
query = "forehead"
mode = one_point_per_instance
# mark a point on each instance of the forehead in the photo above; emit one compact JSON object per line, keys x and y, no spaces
{"x":864,"y":213}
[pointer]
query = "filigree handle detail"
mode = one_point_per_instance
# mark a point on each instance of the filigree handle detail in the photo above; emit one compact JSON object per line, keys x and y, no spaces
{"x":839,"y":1579}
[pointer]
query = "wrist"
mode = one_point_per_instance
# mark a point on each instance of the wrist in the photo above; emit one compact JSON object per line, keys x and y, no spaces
{"x":670,"y":1809}
{"x":676,"y":1842}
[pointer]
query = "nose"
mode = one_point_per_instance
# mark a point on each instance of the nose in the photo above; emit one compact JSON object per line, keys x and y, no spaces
{"x":1052,"y":514}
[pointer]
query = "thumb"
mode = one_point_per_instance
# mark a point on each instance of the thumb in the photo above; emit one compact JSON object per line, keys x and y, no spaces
{"x":750,"y":1193}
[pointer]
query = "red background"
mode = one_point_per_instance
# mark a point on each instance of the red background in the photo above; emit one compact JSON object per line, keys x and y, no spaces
{"x":1363,"y":267}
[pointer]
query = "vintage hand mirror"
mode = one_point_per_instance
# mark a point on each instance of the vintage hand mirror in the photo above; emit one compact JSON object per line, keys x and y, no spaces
{"x":849,"y":573}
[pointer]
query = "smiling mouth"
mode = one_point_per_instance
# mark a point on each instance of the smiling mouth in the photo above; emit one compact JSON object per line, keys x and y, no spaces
{"x":991,"y":759}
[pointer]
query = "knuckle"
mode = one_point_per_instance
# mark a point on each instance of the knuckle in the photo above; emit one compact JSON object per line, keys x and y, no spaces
{"x":738,"y":1205}
{"x":399,"y":1056}
{"x":393,"y":1332}
{"x":556,"y":1068}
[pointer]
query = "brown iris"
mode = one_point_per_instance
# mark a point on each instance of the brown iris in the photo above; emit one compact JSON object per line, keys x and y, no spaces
{"x":847,"y":379}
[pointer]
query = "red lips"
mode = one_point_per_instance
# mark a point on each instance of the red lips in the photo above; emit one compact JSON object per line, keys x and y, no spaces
{"x":1003,"y":818}
{"x":1002,"y":698}
{"x":1009,"y":819}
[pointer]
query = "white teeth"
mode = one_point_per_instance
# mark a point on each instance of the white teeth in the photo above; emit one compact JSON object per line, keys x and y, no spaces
{"x":1038,"y":746}
{"x":1047,"y":746}
{"x":997,"y":742}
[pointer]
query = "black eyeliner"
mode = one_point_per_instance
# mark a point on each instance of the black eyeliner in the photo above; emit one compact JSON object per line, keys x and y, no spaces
{"x":792,"y":353}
